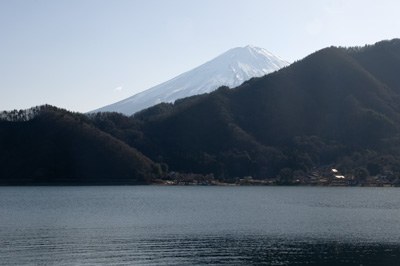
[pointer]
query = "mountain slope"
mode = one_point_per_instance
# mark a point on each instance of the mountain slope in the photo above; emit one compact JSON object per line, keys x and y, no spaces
{"x":58,"y":147}
{"x":321,"y":110}
{"x":337,"y":108}
{"x":229,"y":69}
{"x":373,"y":57}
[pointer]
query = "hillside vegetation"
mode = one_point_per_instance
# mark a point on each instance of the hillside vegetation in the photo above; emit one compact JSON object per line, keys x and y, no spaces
{"x":59,"y":147}
{"x":338,"y":107}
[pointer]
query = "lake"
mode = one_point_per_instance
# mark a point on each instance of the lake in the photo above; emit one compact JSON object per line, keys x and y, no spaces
{"x":196,"y":225}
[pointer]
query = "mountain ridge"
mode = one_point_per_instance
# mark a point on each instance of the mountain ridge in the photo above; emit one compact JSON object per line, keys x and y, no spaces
{"x":337,"y":108}
{"x":228,"y":69}
{"x":329,"y":95}
{"x":58,"y":147}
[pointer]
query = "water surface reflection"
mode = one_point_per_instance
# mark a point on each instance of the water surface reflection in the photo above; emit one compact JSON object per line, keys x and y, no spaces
{"x":199,"y":226}
{"x":119,"y":247}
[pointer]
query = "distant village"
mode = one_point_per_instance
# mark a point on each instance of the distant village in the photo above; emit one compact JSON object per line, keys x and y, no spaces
{"x":318,"y":177}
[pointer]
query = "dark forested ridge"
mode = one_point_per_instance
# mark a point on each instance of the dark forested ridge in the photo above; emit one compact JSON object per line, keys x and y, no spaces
{"x":339,"y":107}
{"x":59,"y":147}
{"x":336,"y":107}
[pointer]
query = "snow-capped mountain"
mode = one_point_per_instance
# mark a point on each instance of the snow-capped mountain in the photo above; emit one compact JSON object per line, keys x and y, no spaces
{"x":231,"y":69}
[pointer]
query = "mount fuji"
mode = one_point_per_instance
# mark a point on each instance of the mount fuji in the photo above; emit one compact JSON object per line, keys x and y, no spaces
{"x":230,"y":69}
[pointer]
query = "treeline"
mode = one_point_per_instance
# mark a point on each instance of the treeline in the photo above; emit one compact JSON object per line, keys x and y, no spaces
{"x":336,"y":108}
{"x":243,"y":156}
{"x":22,"y":115}
{"x":59,"y":147}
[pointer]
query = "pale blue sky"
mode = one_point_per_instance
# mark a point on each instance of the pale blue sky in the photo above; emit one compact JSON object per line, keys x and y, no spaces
{"x":84,"y":54}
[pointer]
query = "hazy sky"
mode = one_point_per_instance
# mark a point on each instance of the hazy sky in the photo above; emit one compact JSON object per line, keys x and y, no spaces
{"x":84,"y":54}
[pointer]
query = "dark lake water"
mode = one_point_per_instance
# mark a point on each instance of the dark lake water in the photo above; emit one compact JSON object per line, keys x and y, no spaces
{"x":156,"y":225}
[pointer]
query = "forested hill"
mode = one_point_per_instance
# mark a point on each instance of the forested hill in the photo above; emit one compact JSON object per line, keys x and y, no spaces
{"x":47,"y":145}
{"x":338,"y":107}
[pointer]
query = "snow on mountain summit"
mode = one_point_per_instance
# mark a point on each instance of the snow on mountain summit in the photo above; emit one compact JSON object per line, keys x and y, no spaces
{"x":230,"y":69}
